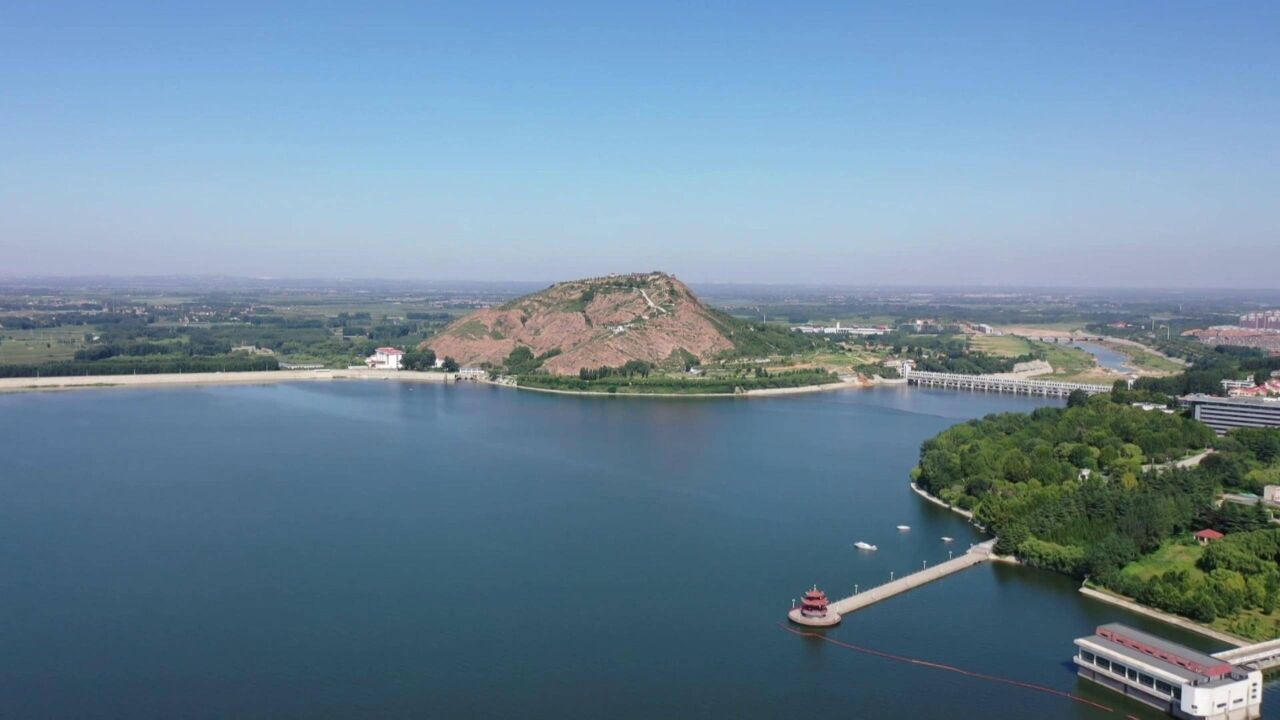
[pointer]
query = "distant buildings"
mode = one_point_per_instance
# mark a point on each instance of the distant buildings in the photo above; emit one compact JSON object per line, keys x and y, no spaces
{"x":1264,"y":320}
{"x":1168,"y":676}
{"x":473,"y":373}
{"x":1262,"y":338}
{"x":385,"y":358}
{"x":1223,"y":414}
{"x":1270,"y":389}
{"x":839,"y":330}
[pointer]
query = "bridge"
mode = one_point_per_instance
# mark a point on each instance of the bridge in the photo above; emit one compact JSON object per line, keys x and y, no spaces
{"x":991,"y":383}
{"x":1261,"y":656}
{"x":976,"y":554}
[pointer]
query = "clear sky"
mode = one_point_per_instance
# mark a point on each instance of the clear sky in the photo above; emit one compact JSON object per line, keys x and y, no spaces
{"x":1074,"y":143}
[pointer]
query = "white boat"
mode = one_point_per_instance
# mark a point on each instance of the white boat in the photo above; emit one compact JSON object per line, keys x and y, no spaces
{"x":904,"y":527}
{"x":863,"y":545}
{"x":947,"y":539}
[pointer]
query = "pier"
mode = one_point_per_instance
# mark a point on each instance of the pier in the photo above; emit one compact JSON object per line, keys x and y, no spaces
{"x":1259,"y":656}
{"x":976,"y":554}
{"x":991,"y":383}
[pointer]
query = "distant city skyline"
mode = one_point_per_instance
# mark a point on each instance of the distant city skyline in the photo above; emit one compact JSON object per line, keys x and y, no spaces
{"x":1085,"y":145}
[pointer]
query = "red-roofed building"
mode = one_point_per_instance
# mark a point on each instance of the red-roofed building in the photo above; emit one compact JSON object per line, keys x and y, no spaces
{"x":1204,"y":537}
{"x":385,"y":358}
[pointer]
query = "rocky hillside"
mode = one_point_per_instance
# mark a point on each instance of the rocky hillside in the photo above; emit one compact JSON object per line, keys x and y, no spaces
{"x":592,"y":323}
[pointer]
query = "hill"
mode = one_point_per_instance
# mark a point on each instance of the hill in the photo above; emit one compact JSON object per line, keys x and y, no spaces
{"x":596,"y":322}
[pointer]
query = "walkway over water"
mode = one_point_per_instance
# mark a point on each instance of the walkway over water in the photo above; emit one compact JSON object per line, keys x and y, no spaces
{"x":976,"y":554}
{"x":1047,"y":388}
{"x":1263,"y":656}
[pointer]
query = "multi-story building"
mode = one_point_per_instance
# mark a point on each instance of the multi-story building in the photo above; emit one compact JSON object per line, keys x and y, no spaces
{"x":1266,"y":319}
{"x":1165,"y":675}
{"x":385,"y":358}
{"x":1224,"y":413}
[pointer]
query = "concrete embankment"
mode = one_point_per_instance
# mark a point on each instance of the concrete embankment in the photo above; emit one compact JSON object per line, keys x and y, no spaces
{"x":766,"y":392}
{"x":229,"y":378}
{"x":976,"y":554}
{"x":937,"y":501}
{"x":1165,"y":617}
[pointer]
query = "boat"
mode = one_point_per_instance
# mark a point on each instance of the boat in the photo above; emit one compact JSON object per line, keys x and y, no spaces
{"x":947,"y":539}
{"x":863,"y":545}
{"x":904,"y":527}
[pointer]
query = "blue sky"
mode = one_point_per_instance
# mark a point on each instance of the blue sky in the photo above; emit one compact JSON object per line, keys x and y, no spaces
{"x":1005,"y":143}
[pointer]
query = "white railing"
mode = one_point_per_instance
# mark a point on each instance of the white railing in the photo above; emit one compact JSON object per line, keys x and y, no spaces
{"x":956,"y":381}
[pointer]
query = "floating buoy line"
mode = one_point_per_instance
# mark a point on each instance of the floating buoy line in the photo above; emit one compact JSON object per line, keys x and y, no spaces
{"x":952,"y":668}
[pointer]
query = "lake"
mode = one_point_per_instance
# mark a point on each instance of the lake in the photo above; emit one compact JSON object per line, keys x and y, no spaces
{"x":366,"y":549}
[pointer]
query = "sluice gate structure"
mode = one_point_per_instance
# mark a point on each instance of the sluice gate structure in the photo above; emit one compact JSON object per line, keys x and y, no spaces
{"x":992,"y":383}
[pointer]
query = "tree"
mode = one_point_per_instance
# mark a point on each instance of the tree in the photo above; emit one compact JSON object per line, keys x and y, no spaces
{"x":450,"y":365}
{"x":416,"y":359}
{"x":1077,"y":398}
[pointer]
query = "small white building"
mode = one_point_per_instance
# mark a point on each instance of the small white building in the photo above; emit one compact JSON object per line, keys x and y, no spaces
{"x":472,"y":372}
{"x":385,"y":358}
{"x":1271,"y":495}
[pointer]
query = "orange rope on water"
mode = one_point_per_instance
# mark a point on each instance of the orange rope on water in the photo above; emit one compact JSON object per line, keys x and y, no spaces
{"x":948,"y":668}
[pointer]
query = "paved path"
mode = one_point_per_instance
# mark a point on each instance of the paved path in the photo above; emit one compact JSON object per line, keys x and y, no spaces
{"x":1164,"y":616}
{"x":976,"y":554}
{"x":1263,"y":656}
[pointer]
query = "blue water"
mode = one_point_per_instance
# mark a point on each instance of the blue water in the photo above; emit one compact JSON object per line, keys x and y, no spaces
{"x":392,"y":550}
{"x":1106,"y":357}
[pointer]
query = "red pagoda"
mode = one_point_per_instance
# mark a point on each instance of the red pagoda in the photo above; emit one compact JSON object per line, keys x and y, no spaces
{"x":814,"y":603}
{"x":813,"y":610}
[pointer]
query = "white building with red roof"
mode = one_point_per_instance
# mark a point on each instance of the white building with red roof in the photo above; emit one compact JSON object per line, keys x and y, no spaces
{"x":385,"y":358}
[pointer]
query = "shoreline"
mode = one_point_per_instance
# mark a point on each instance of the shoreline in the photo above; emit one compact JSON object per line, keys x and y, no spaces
{"x":266,"y":377}
{"x":763,"y":392}
{"x":1167,"y":618}
{"x":252,"y":377}
{"x":1103,"y":595}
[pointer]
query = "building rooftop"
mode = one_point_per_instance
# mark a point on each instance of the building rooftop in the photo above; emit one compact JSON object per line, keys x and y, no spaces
{"x":1178,"y":660}
{"x":1252,"y":401}
{"x":1210,"y":534}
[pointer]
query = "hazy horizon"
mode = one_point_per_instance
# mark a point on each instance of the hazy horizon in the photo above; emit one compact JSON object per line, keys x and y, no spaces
{"x":1086,"y":146}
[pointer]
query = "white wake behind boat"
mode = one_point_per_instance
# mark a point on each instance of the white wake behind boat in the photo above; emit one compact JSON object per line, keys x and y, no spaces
{"x":863,"y":545}
{"x":904,"y":527}
{"x":947,"y":539}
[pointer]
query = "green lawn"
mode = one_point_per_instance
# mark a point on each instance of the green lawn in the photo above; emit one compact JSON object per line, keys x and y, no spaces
{"x":1250,"y":622}
{"x":1071,"y":363}
{"x":1171,"y":556}
{"x":32,"y":347}
{"x":1148,"y":361}
{"x":1001,"y":345}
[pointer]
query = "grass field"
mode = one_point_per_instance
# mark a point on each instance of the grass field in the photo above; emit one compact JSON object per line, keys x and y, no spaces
{"x":1172,"y":556}
{"x":1251,"y":622}
{"x":1064,"y":326}
{"x":1001,"y":345}
{"x":1071,"y":364}
{"x":29,"y":347}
